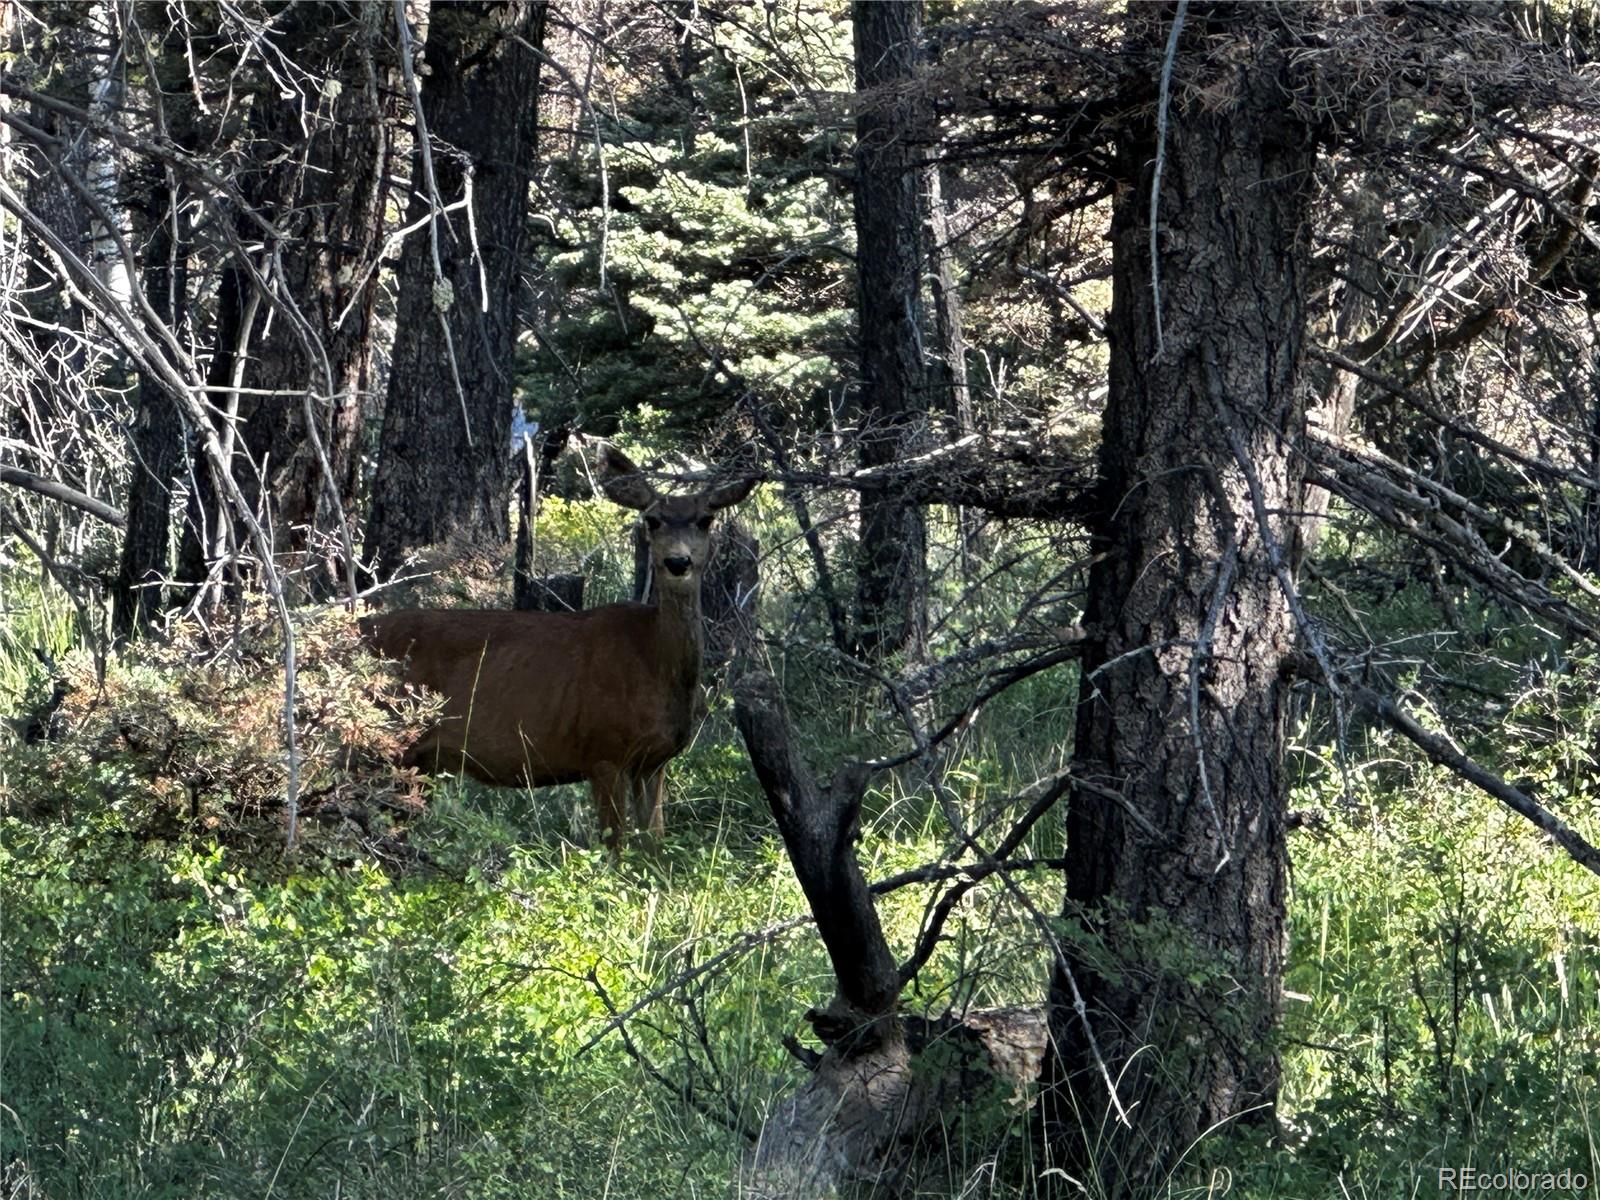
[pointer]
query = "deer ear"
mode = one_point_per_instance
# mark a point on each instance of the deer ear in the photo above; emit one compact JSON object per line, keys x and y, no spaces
{"x":745,"y":464}
{"x":621,"y":481}
{"x":729,"y":494}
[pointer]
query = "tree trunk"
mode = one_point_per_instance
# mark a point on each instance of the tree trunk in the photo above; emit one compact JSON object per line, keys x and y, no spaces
{"x":892,"y":571}
{"x":206,"y":514}
{"x":48,"y":303}
{"x":329,"y":199}
{"x":531,"y":591}
{"x":444,"y":455}
{"x":156,"y":436}
{"x":55,"y":334}
{"x":948,"y":369}
{"x":1175,"y":843}
{"x":729,"y":593}
{"x":867,"y":1120}
{"x":326,"y":196}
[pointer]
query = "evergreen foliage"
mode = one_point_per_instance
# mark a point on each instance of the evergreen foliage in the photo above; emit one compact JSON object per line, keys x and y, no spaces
{"x":714,"y":257}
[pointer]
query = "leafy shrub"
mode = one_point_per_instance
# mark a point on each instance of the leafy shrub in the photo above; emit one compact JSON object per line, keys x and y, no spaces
{"x":188,"y":733}
{"x":1443,"y":983}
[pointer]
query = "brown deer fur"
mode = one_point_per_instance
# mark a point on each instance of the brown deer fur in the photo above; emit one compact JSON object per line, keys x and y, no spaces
{"x":608,"y":695}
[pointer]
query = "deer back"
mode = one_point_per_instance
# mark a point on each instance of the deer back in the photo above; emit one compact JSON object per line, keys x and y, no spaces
{"x":541,"y":698}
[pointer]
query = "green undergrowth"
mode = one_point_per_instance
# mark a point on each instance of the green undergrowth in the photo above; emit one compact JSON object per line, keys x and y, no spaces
{"x":420,"y":1005}
{"x":1443,"y":995}
{"x":179,"y":1021}
{"x":184,"y":1012}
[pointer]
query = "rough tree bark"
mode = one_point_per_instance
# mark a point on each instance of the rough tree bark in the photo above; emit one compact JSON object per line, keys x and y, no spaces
{"x":52,"y":198}
{"x":42,"y":403}
{"x":444,"y":454}
{"x":328,"y":199}
{"x":891,"y":592}
{"x":156,"y":436}
{"x":1176,"y":858}
{"x":947,"y":372}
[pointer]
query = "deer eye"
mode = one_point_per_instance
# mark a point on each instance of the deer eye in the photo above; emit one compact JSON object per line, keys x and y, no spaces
{"x":704,"y":522}
{"x":653,"y":523}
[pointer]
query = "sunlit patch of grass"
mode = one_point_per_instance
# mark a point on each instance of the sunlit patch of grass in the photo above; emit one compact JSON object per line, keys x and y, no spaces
{"x":35,"y":616}
{"x":186,"y":1018}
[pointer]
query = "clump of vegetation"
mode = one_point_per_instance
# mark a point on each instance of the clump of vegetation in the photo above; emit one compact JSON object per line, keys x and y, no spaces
{"x":1443,"y":984}
{"x":185,"y":735}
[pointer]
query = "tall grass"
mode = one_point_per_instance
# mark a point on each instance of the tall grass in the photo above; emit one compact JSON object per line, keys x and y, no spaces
{"x":180,"y":1018}
{"x":35,"y":617}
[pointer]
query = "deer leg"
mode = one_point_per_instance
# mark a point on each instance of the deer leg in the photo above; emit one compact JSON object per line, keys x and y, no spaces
{"x":607,"y":784}
{"x":649,"y":790}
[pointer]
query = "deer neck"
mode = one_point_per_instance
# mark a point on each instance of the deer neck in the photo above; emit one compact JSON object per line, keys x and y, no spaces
{"x":679,"y":638}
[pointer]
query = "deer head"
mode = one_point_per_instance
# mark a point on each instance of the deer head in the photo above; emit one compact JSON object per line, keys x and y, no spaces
{"x":678,"y":528}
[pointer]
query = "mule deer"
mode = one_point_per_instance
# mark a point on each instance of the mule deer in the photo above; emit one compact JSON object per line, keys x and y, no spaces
{"x":606,"y":695}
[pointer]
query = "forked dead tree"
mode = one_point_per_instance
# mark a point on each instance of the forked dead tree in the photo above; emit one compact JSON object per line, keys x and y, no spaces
{"x":609,"y":695}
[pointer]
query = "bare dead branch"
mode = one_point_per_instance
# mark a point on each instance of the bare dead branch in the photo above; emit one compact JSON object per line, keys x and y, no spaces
{"x":1440,"y":750}
{"x":819,"y":829}
{"x":147,"y":340}
{"x":57,"y":490}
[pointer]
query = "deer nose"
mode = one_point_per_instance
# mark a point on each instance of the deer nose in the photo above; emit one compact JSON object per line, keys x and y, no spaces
{"x":678,"y":564}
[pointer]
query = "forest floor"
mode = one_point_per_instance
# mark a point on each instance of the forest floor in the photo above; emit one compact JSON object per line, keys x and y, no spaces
{"x":188,"y":1016}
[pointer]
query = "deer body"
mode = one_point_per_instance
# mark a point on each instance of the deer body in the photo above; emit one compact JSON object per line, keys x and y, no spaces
{"x":608,"y":695}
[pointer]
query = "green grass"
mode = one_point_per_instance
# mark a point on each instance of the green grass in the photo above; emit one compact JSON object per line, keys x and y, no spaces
{"x":178,"y":1023}
{"x":176,"y":1026}
{"x":180,"y":1019}
{"x":1446,"y":992}
{"x":34,"y":616}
